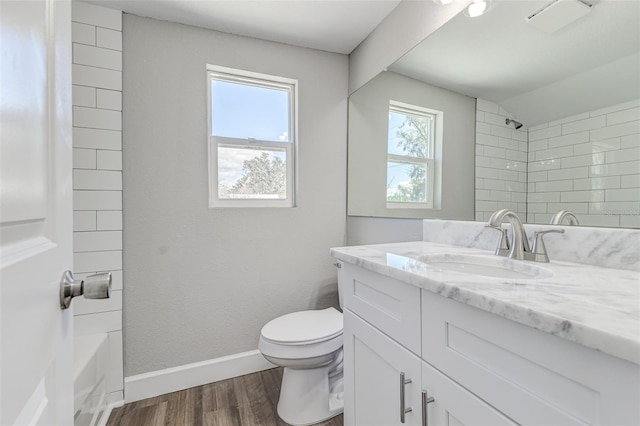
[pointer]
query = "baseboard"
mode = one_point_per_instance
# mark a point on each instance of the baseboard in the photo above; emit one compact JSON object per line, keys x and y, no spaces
{"x":173,"y":379}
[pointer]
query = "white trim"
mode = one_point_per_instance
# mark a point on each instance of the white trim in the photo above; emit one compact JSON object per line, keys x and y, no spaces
{"x":160,"y":382}
{"x":290,"y":147}
{"x":417,"y":110}
{"x":238,"y":74}
{"x":107,"y":412}
{"x":433,"y":161}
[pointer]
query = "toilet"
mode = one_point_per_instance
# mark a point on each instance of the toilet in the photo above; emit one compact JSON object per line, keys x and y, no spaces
{"x":308,"y":344}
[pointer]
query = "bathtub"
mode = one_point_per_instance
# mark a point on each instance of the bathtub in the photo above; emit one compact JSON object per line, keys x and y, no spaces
{"x":89,"y":379}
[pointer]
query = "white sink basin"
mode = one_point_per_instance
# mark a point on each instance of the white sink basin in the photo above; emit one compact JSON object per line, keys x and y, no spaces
{"x":486,"y":266}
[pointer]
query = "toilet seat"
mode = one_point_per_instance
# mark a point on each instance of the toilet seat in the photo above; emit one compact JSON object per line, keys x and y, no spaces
{"x":304,"y":327}
{"x":304,"y":335}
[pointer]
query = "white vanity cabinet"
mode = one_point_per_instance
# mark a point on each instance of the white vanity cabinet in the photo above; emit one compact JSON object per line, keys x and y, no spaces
{"x":480,"y":368}
{"x":374,"y":361}
{"x":454,"y":405}
{"x":375,"y":367}
{"x":531,"y":376}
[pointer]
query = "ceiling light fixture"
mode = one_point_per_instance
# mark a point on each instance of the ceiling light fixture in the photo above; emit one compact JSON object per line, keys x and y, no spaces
{"x":477,"y":8}
{"x":442,"y":2}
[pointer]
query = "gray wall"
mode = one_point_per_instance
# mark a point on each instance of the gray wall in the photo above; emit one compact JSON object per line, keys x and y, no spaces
{"x":378,"y":230}
{"x":201,"y":281}
{"x":406,"y":26}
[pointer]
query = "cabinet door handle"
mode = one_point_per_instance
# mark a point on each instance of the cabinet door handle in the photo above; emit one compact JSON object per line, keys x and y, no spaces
{"x":426,"y":399}
{"x":403,"y":410}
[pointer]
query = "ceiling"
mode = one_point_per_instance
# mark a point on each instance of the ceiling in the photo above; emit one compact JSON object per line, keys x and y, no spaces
{"x":331,"y":25}
{"x":538,"y":77}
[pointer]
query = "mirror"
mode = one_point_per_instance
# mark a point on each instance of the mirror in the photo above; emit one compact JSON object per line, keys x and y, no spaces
{"x":576,"y":91}
{"x":379,"y":169}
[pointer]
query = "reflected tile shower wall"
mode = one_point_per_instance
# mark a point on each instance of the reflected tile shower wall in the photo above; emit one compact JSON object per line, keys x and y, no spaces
{"x":501,"y":162}
{"x":587,"y":163}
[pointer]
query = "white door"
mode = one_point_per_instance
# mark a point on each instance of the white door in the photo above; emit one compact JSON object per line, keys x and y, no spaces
{"x":36,"y":366}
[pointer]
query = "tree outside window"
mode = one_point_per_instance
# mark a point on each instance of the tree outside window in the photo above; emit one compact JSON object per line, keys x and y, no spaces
{"x":410,"y":156}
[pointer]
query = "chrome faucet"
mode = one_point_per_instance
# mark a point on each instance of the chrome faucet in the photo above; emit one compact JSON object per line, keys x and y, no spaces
{"x":559,"y":217}
{"x":519,"y":244}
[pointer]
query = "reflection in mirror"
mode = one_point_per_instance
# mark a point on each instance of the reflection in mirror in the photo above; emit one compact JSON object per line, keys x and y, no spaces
{"x":575,"y":89}
{"x":411,"y":140}
{"x":400,"y":162}
{"x":564,"y":217}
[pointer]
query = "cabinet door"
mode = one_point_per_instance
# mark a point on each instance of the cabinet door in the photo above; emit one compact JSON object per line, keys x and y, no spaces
{"x":453,"y":405}
{"x":373,"y":367}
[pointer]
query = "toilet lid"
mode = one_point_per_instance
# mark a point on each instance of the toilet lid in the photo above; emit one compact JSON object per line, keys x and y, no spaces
{"x":304,"y":327}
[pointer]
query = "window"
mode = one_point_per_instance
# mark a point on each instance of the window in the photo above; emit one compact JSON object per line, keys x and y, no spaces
{"x":411,"y":145}
{"x":252,"y":139}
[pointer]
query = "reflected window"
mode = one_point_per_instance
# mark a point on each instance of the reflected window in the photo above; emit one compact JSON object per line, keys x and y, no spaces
{"x":410,"y":156}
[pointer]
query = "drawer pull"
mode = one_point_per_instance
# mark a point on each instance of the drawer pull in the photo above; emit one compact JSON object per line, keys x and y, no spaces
{"x":425,"y":401}
{"x":403,"y":383}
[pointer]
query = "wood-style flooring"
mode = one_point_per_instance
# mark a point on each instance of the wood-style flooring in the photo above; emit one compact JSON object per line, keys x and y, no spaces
{"x":242,"y":401}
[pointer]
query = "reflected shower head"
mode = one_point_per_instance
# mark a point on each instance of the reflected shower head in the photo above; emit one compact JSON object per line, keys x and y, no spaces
{"x":515,"y":123}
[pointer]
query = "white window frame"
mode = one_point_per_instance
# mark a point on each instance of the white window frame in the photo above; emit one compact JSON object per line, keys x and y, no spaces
{"x":232,"y":75}
{"x":431,"y":162}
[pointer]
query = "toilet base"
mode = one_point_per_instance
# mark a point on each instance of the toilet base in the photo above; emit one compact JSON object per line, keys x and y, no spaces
{"x":305,"y":397}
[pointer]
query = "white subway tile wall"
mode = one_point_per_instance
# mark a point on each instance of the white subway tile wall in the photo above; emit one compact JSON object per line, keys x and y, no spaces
{"x":108,"y":321}
{"x":97,"y":139}
{"x":109,"y":160}
{"x":97,"y":57}
{"x":97,"y":200}
{"x":108,"y":220}
{"x":589,"y":164}
{"x":109,"y":38}
{"x":84,"y":96}
{"x":109,"y":99}
{"x":84,"y":75}
{"x":90,"y":307}
{"x":501,"y":162}
{"x":97,"y":175}
{"x":96,"y":118}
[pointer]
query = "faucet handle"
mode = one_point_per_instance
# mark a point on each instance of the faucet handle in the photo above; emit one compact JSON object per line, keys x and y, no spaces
{"x":539,"y":250}
{"x":503,"y":245}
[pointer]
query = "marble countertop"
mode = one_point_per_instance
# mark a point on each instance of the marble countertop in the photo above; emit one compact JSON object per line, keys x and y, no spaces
{"x":592,"y":306}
